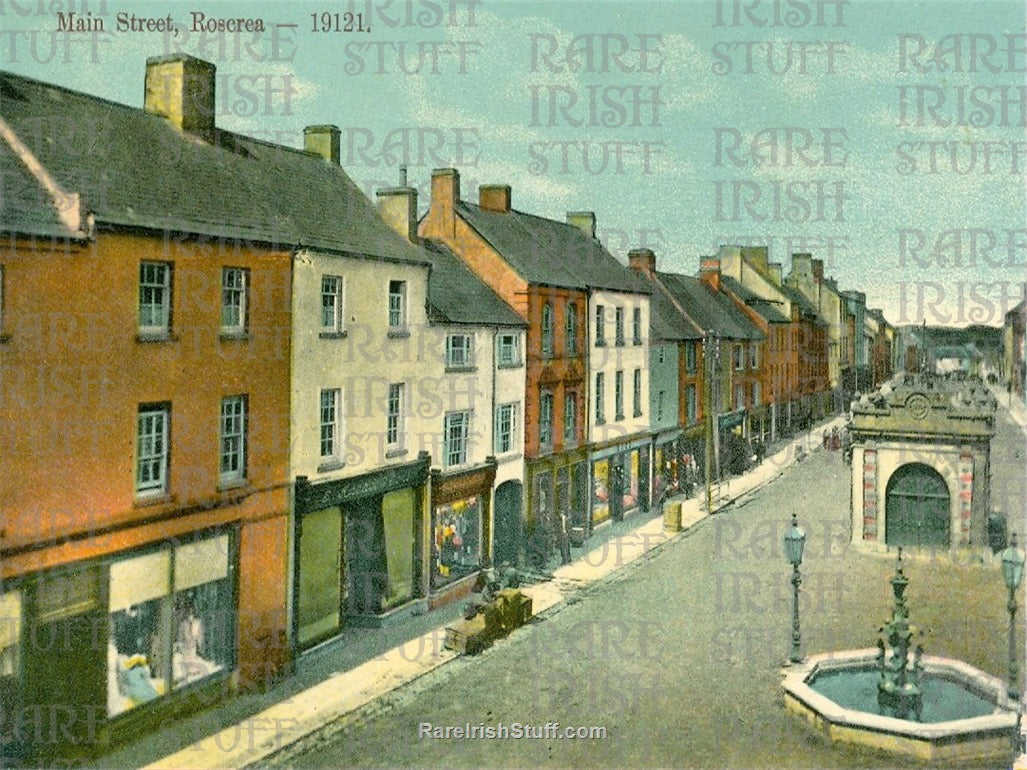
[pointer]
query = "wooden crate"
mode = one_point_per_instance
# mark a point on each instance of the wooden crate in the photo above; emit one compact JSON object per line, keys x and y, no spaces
{"x":468,"y":637}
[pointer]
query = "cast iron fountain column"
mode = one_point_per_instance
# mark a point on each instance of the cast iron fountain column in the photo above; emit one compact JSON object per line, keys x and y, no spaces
{"x":899,"y":684}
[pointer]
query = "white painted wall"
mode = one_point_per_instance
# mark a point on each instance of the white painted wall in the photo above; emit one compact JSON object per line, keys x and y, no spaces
{"x":610,"y":358}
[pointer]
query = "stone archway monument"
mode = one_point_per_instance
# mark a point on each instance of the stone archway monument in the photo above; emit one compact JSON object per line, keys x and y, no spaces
{"x":920,"y":464}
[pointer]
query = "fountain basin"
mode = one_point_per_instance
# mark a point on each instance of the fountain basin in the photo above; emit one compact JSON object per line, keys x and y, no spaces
{"x":968,"y":717}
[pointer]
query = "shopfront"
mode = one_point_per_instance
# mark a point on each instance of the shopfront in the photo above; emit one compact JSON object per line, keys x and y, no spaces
{"x":461,"y":529}
{"x":559,"y":498}
{"x":620,"y":481}
{"x":358,"y":546}
{"x":667,"y":465}
{"x":96,"y":645}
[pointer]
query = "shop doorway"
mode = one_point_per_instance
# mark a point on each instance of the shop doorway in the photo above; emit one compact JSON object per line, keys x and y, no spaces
{"x":508,"y":506}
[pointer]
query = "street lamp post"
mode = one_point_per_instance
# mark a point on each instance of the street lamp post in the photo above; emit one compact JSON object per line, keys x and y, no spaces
{"x":1012,"y":573}
{"x":795,"y":540}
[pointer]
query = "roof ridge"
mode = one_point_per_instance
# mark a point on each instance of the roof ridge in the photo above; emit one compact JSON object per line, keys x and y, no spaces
{"x":74,"y":92}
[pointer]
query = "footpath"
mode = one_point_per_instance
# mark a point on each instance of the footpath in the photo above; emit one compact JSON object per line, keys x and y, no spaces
{"x":1012,"y":404}
{"x":366,"y":664}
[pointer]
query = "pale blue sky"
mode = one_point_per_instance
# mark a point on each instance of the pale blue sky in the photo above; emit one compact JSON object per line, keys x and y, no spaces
{"x":486,"y":108}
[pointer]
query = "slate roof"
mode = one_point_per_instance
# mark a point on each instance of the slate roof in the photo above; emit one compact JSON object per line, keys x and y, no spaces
{"x":456,"y":295}
{"x":769,"y":309}
{"x":136,"y":170}
{"x":546,"y":251}
{"x":25,"y":205}
{"x":666,"y":323}
{"x":710,"y":310}
{"x":806,"y":307}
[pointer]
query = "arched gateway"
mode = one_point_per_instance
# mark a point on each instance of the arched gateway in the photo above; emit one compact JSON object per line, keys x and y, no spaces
{"x":917,"y":508}
{"x":921,"y":455}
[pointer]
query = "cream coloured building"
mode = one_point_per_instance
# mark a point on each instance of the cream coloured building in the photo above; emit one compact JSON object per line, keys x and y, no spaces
{"x":359,"y":429}
{"x":476,"y":441}
{"x":619,"y":434}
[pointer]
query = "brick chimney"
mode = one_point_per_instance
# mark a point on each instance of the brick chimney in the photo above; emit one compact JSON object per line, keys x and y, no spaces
{"x":817,"y":266}
{"x":398,"y":207}
{"x":323,"y":141}
{"x":776,"y":272}
{"x":801,"y":264}
{"x":445,"y":194}
{"x":494,"y":197}
{"x":180,"y":88}
{"x":709,"y":272}
{"x":644,"y":261}
{"x":584,"y":221}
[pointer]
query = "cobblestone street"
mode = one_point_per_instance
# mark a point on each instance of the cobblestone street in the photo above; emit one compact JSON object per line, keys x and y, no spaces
{"x":678,"y":655}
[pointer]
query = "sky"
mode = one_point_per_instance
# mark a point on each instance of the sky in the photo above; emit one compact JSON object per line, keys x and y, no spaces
{"x":887,"y":138}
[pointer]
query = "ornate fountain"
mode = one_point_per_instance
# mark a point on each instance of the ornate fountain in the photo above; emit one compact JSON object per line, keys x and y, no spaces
{"x":900,"y":675}
{"x":897,"y":700}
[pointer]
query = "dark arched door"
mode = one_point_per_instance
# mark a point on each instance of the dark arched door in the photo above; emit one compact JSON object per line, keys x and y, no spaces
{"x":917,"y":507}
{"x":508,"y":507}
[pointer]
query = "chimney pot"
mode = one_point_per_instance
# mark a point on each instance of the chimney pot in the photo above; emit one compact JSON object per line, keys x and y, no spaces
{"x":324,"y":141}
{"x":445,"y":194}
{"x":180,"y":88}
{"x":584,"y":221}
{"x":494,"y":197}
{"x":709,"y":272}
{"x":398,"y":208}
{"x":642,"y":260}
{"x":818,"y":269}
{"x":403,"y":176}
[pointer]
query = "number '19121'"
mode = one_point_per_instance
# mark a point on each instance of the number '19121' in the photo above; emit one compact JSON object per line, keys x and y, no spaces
{"x":338,"y":22}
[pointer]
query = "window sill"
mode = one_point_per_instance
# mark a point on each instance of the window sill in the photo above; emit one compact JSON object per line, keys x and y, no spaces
{"x":618,"y":418}
{"x":341,"y":335}
{"x":227,"y":336}
{"x":637,"y":342}
{"x":619,"y":343}
{"x":457,"y":369}
{"x":399,"y":452}
{"x":147,"y":501}
{"x":600,"y":343}
{"x":331,"y":465}
{"x":226,"y":485}
{"x":601,"y":421}
{"x":155,"y":337}
{"x":397,"y":332}
{"x":505,"y":457}
{"x":516,"y":365}
{"x":637,"y":414}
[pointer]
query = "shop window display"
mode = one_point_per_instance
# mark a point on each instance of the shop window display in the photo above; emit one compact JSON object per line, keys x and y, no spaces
{"x":600,"y":491}
{"x":171,"y":621}
{"x":457,"y":540}
{"x":10,"y":638}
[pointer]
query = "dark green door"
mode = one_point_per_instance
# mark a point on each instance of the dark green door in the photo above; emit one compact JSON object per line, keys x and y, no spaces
{"x":508,"y":505}
{"x":917,"y":508}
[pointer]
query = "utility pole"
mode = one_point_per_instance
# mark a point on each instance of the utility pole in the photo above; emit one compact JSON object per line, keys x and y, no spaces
{"x":710,"y":356}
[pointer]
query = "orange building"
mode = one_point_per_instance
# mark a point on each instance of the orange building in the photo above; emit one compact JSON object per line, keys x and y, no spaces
{"x":145,"y":344}
{"x":144,"y":423}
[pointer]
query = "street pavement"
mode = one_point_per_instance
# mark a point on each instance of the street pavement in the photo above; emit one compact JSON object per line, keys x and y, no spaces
{"x":677,"y":650}
{"x":369,"y":668}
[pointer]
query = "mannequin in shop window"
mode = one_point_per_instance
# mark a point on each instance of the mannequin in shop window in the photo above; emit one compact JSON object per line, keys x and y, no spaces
{"x":188,"y":642}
